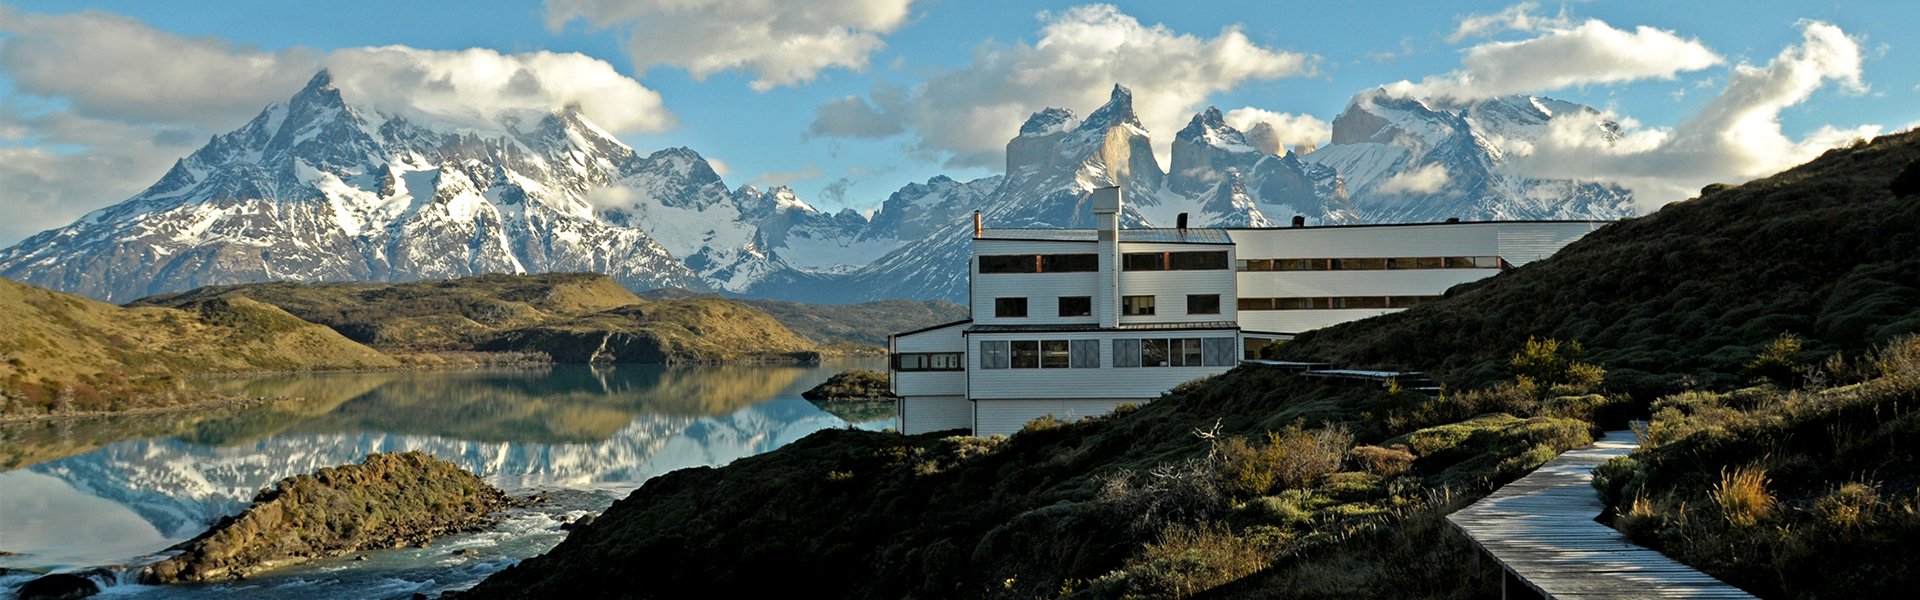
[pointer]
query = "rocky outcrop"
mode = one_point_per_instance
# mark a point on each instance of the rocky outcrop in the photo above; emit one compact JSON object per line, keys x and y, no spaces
{"x":851,"y":384}
{"x":59,"y":586}
{"x":388,"y":500}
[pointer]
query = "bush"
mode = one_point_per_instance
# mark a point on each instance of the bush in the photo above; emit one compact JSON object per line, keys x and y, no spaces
{"x":1385,"y":462}
{"x":1742,"y":496}
{"x":1306,"y":456}
{"x":1851,"y":506}
{"x":1548,"y":367}
{"x":1779,"y":362}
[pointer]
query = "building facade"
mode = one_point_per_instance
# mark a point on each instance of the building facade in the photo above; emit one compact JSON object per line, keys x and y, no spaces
{"x":1075,"y":322}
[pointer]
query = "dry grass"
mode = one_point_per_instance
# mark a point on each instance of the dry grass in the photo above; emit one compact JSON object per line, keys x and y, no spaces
{"x":1742,"y":496}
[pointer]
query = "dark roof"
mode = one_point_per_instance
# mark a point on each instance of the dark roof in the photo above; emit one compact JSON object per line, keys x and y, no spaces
{"x":1058,"y":327}
{"x":1161,"y":235}
{"x":927,"y":329}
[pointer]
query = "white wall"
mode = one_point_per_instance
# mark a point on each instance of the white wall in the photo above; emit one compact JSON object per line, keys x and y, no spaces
{"x":1042,"y":290}
{"x":1170,"y":288}
{"x":930,"y":383}
{"x":1411,"y":282}
{"x":924,"y":414}
{"x":1005,"y":417}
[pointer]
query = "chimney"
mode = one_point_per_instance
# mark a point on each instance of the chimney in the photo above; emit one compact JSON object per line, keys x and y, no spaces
{"x":979,"y":225}
{"x":1106,"y":215}
{"x":1299,"y":220}
{"x":1453,"y":219}
{"x":1182,"y":222}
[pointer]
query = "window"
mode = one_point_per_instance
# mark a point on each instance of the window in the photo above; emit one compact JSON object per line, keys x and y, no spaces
{"x":1257,"y":264}
{"x":1144,"y":261}
{"x":1084,"y":354}
{"x":1076,"y":306}
{"x":1369,"y":264}
{"x":927,"y":361}
{"x":1053,"y":354}
{"x":1136,"y":305}
{"x":1006,"y":308}
{"x":1203,"y":304}
{"x":1174,"y":352}
{"x":1254,"y":346}
{"x":1026,"y":354}
{"x":1336,"y":302}
{"x":1069,"y":263}
{"x":994,"y":354}
{"x":1197,"y":261}
{"x":1175,"y":261}
{"x":1007,"y":263}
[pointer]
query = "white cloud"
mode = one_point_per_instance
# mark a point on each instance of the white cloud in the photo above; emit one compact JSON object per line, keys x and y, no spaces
{"x":1592,"y":52}
{"x":1735,"y":137}
{"x":1425,"y":179}
{"x":476,"y":86}
{"x":1275,"y":132}
{"x":967,"y":115}
{"x":102,"y":104}
{"x":1518,"y":17}
{"x":780,"y":42}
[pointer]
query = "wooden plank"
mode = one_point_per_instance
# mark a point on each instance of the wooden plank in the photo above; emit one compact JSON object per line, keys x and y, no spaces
{"x":1541,"y":529}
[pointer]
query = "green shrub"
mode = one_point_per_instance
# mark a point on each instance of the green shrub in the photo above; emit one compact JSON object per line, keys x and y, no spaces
{"x":1549,"y":367}
{"x":1779,"y":362}
{"x":1385,"y":462}
{"x":1742,"y":496}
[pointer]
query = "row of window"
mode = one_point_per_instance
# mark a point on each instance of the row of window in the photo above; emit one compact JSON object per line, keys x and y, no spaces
{"x":1082,"y":306}
{"x":1127,"y":353}
{"x":1369,"y":264}
{"x":1209,"y":260}
{"x":928,"y":361}
{"x":1334,"y":302}
{"x":1039,"y":263}
{"x":1040,"y":354}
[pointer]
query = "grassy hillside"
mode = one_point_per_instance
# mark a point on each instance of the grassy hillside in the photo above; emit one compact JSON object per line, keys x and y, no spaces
{"x":1687,"y":295}
{"x":1259,"y":484}
{"x":572,"y":317}
{"x":65,"y":353}
{"x":866,"y":323}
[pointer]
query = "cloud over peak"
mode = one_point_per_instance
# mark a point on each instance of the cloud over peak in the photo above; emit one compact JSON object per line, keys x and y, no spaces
{"x":1589,"y":53}
{"x":781,"y":42}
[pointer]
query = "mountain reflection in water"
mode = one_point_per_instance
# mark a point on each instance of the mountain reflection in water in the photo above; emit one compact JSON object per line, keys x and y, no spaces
{"x":573,"y":427}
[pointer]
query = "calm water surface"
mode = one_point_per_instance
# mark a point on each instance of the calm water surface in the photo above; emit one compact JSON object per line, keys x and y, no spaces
{"x":107,"y":495}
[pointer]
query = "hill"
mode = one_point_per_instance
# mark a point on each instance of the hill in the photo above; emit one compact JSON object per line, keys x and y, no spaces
{"x":571,"y":317}
{"x":67,"y":353}
{"x":866,"y":323}
{"x":1688,"y":294}
{"x":1260,"y":484}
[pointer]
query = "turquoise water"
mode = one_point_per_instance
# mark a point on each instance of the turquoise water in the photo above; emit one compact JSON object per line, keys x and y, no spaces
{"x":107,"y":496}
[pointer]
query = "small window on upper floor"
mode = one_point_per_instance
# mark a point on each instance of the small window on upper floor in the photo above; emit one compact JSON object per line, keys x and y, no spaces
{"x":1005,"y":308}
{"x":1136,"y":306}
{"x":1076,"y":306}
{"x":1203,"y":304}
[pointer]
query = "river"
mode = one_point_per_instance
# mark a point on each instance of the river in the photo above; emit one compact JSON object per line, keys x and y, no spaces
{"x":107,"y":495}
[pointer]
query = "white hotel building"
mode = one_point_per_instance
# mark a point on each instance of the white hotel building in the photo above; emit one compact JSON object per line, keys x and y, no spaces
{"x":1074,"y":322}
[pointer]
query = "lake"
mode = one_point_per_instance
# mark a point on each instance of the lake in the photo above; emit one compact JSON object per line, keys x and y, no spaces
{"x":110,"y":493}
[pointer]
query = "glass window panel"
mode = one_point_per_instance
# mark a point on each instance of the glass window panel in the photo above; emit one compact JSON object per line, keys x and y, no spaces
{"x":1084,"y":354}
{"x":994,"y":355}
{"x":1218,"y":351}
{"x":1260,"y":264}
{"x":1203,"y":304}
{"x":1255,"y":303}
{"x":1144,"y":261}
{"x":1053,"y":354}
{"x":1136,"y":305}
{"x":1431,"y":262}
{"x":1009,"y":307}
{"x":1006,"y":263}
{"x":1321,"y":303}
{"x":1191,"y":354}
{"x":1252,"y":346}
{"x":1365,"y":264}
{"x":1069,"y":263}
{"x":1126,"y":352}
{"x":1459,"y":262}
{"x":1153,"y":353}
{"x":1026,"y":354}
{"x":1486,"y":262}
{"x":1198,"y":261}
{"x":1076,"y":306}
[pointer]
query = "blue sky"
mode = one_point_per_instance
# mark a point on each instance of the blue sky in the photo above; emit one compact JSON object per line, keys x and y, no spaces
{"x":66,"y":132}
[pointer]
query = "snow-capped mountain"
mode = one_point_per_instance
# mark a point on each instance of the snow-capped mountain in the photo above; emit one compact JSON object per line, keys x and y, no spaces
{"x":1409,"y":160}
{"x":317,"y":189}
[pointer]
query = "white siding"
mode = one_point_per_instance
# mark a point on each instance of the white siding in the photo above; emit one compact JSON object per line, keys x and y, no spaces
{"x":1106,"y":382}
{"x":1412,"y":282}
{"x":1522,"y":243}
{"x":1042,"y":290}
{"x":925,"y":414}
{"x":931,"y":383}
{"x":1170,"y":288}
{"x":1005,"y":417}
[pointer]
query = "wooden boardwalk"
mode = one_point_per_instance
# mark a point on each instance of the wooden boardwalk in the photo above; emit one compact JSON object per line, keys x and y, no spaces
{"x":1541,"y":529}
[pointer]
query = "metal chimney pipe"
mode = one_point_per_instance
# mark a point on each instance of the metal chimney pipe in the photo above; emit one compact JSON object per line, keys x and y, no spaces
{"x":1181,"y":223}
{"x":979,"y":225}
{"x":1299,"y":220}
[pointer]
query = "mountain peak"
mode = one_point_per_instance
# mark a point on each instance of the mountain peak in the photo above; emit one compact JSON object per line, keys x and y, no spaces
{"x":1050,"y":120}
{"x":1117,"y":111}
